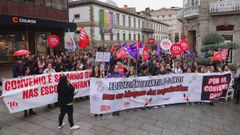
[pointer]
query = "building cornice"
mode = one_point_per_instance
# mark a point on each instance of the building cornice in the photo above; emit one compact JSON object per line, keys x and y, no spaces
{"x":106,"y":5}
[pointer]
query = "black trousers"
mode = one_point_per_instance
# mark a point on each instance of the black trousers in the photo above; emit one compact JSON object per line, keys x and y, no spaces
{"x":63,"y":110}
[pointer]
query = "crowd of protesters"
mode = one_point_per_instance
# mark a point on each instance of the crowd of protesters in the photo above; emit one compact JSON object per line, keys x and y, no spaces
{"x":125,"y":67}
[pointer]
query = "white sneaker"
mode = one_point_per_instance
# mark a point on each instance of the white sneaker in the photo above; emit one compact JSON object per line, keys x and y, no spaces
{"x":75,"y":127}
{"x":63,"y":124}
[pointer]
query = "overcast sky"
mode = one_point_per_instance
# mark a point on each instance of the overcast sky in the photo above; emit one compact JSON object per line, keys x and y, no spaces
{"x":153,"y":4}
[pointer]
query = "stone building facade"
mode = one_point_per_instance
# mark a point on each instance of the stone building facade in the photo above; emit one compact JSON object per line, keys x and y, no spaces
{"x":107,"y":24}
{"x":200,"y":17}
{"x":169,"y":16}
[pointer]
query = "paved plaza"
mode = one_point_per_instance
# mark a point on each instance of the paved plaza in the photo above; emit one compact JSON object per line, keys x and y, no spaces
{"x":182,"y":119}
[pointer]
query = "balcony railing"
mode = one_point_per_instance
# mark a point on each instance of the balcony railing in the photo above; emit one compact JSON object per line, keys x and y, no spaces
{"x":189,"y":12}
{"x":225,"y":7}
{"x":180,"y":14}
{"x":147,"y":30}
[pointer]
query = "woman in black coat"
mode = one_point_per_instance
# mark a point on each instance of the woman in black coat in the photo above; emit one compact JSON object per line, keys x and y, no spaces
{"x":65,"y":99}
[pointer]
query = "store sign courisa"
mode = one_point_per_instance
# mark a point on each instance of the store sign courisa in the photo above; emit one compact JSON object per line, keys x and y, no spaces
{"x":23,"y":20}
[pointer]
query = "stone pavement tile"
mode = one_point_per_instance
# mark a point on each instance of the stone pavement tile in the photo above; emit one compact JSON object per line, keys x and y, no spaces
{"x":100,"y":130}
{"x":230,"y":127}
{"x":160,"y":117}
{"x":52,"y":125}
{"x":102,"y":122}
{"x":129,"y":116}
{"x":202,"y":116}
{"x":188,"y":131}
{"x":45,"y":131}
{"x":205,"y":133}
{"x":152,"y":129}
{"x":147,"y":120}
{"x":31,"y":128}
{"x":23,"y":133}
{"x":221,"y":132}
{"x":117,"y":127}
{"x":195,"y":121}
{"x":179,"y":122}
{"x":141,"y":113}
{"x":166,"y":125}
{"x":66,"y":130}
{"x":153,"y":134}
{"x":135,"y":131}
{"x":171,"y":132}
{"x":84,"y":125}
{"x":82,"y":132}
{"x":10,"y":131}
{"x":35,"y":119}
{"x":132,"y":123}
{"x":200,"y":127}
{"x":117,"y":133}
{"x":212,"y":124}
{"x":115,"y":119}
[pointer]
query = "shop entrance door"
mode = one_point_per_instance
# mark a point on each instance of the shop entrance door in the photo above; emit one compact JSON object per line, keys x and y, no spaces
{"x":10,"y":42}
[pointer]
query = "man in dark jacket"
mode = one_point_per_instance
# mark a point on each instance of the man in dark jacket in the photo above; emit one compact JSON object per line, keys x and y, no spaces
{"x":18,"y":68}
{"x":60,"y":66}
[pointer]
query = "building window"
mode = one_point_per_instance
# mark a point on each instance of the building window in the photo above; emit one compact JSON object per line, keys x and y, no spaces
{"x":129,"y":21}
{"x":170,"y":15}
{"x":118,"y":19}
{"x":102,"y":37}
{"x":124,"y":36}
{"x":134,"y":37}
{"x":176,"y":37}
{"x":225,"y":28}
{"x":130,"y":37}
{"x":124,"y":20}
{"x":77,"y":16}
{"x":101,"y":18}
{"x":40,"y":2}
{"x":134,"y":22}
{"x":139,"y":23}
{"x":163,"y":16}
{"x":118,"y":36}
{"x":111,"y":37}
{"x":139,"y":37}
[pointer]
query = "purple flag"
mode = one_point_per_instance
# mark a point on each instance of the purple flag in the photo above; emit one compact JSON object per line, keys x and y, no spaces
{"x":132,"y":51}
{"x":191,"y":55}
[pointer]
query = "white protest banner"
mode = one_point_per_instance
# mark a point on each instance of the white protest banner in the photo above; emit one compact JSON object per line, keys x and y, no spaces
{"x":102,"y":57}
{"x":34,"y":91}
{"x":115,"y":94}
{"x":106,"y":56}
{"x":99,"y":57}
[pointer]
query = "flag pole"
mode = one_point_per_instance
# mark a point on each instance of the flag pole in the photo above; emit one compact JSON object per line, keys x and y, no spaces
{"x":137,"y":58}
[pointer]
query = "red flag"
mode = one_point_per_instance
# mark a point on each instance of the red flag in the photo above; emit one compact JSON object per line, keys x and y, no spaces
{"x":146,"y":54}
{"x":113,"y":49}
{"x":121,"y":53}
{"x":220,"y":56}
{"x":224,"y":54}
{"x":84,"y":40}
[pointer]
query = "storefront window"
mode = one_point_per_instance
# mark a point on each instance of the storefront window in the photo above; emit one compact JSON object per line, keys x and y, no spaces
{"x":58,"y":4}
{"x":40,"y":2}
{"x":10,"y":42}
{"x":42,"y":47}
{"x":48,"y":3}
